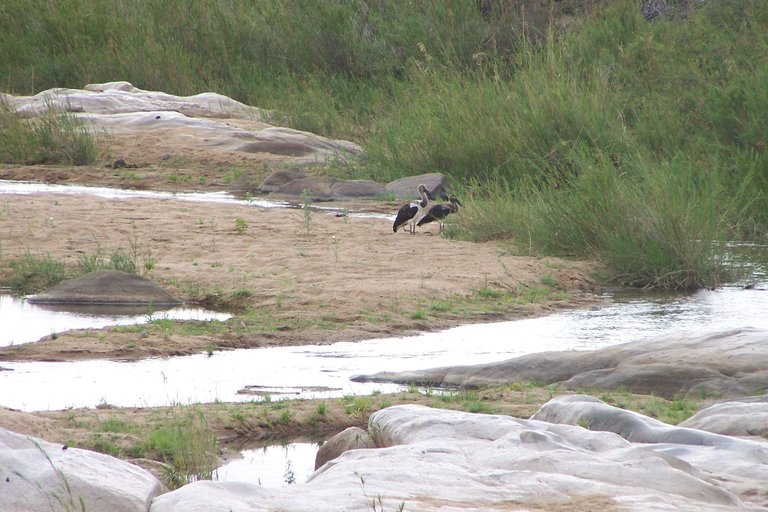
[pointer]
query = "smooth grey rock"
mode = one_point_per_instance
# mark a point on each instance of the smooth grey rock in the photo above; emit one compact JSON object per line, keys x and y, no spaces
{"x":744,"y":417}
{"x":37,"y":475}
{"x":724,"y":363}
{"x":106,"y":287}
{"x":352,"y":438}
{"x":208,"y":120}
{"x":405,"y":188}
{"x":279,"y":178}
{"x":286,"y":141}
{"x":123,"y":97}
{"x":440,"y":460}
{"x":736,"y":464}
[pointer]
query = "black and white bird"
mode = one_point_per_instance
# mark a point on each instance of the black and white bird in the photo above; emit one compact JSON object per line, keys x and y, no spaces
{"x":440,"y":211}
{"x":410,"y":213}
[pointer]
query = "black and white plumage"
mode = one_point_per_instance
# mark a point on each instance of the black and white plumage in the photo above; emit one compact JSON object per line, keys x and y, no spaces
{"x":440,"y":211}
{"x":411,"y":212}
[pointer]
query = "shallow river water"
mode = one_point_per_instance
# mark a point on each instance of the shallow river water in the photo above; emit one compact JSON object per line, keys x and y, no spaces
{"x":323,"y":371}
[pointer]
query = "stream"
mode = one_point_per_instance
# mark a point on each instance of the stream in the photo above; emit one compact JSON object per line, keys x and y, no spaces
{"x":324,"y":371}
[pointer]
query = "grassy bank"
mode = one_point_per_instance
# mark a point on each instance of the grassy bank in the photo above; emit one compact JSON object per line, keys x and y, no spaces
{"x":575,"y":127}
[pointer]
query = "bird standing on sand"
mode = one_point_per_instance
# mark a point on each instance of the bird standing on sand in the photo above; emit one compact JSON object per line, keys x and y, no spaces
{"x":411,"y":212}
{"x":440,"y":211}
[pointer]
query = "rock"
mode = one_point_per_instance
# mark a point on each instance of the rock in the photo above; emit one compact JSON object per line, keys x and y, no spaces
{"x":743,"y":417}
{"x":37,"y":475}
{"x":329,"y":189}
{"x":107,"y":287}
{"x":728,"y":363}
{"x":405,"y":188}
{"x":737,"y":465}
{"x":349,"y":439}
{"x":184,"y":124}
{"x":289,"y":142}
{"x":433,"y":459}
{"x":279,"y":178}
{"x":123,"y":97}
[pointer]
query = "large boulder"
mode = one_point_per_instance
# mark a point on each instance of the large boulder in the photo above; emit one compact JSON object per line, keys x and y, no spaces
{"x":433,"y":460}
{"x":280,"y":178}
{"x":37,"y":475}
{"x":352,"y":438}
{"x":726,"y":364}
{"x":746,"y":416}
{"x":107,"y":287}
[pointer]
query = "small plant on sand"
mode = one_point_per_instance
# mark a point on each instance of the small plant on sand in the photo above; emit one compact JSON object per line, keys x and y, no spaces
{"x":357,"y":404}
{"x":306,"y":206}
{"x":549,"y":280}
{"x":240,"y":226}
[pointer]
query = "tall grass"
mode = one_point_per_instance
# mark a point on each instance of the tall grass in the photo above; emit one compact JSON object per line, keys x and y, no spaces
{"x":53,"y":138}
{"x":188,"y":446}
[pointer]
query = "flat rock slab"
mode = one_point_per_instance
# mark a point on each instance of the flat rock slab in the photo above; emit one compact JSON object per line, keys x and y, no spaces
{"x":107,"y":287}
{"x":726,"y":364}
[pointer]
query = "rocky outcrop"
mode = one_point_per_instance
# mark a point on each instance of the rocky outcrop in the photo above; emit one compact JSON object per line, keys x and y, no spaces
{"x":432,"y":459}
{"x":107,"y":287}
{"x":37,"y":475}
{"x":183,"y":124}
{"x":725,"y":364}
{"x":577,"y":453}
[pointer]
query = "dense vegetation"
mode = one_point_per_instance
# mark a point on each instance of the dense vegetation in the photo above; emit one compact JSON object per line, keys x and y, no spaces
{"x":574,"y":127}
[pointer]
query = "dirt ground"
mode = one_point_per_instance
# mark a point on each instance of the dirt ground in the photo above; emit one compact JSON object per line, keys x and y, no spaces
{"x":296,"y":278}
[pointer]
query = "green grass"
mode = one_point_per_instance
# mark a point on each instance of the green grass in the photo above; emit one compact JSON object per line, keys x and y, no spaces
{"x":186,"y":444}
{"x":32,"y":273}
{"x":52,"y":138}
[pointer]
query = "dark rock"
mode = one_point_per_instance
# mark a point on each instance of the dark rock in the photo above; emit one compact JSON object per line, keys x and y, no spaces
{"x":280,"y":178}
{"x":108,"y":287}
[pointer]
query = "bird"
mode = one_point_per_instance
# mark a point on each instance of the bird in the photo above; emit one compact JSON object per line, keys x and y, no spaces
{"x":411,"y":212}
{"x":440,"y":211}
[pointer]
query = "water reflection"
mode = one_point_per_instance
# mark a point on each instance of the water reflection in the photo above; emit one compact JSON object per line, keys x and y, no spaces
{"x":271,"y":466}
{"x":23,"y":322}
{"x":324,"y":371}
{"x":28,"y":188}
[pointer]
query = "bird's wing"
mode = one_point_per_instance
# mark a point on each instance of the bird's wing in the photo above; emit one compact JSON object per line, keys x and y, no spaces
{"x":404,"y":214}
